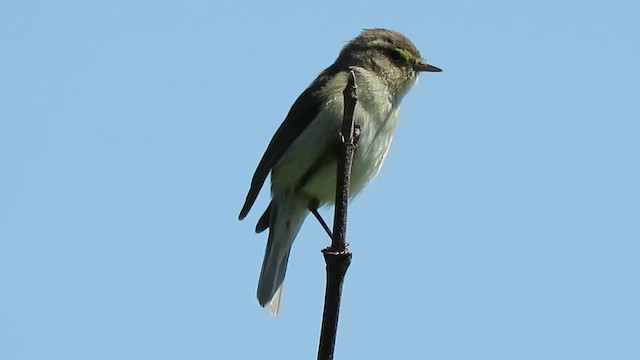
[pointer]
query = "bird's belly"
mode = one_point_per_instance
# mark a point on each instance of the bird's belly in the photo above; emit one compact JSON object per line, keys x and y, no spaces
{"x":309,"y":167}
{"x":367,"y":161}
{"x":372,"y":147}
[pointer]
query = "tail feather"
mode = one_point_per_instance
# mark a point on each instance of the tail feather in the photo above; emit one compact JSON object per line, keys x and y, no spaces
{"x":287,"y":213}
{"x":274,"y":304}
{"x":263,"y":222}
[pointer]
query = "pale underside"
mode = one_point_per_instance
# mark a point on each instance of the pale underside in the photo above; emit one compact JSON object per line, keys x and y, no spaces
{"x":306,"y":172}
{"x":317,"y":143}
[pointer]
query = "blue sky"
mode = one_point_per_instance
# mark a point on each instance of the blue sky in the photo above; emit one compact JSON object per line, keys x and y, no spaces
{"x":505,"y":223}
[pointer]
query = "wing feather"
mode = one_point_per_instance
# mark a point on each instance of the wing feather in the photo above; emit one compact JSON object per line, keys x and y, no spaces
{"x":301,"y":114}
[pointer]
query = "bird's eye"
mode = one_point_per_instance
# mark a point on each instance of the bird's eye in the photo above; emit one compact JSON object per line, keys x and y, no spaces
{"x":396,"y":55}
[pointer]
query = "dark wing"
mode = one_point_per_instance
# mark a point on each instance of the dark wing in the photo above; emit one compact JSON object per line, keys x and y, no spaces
{"x":303,"y":111}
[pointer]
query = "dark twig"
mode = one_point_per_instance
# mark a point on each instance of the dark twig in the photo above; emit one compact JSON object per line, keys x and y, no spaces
{"x":337,"y":256}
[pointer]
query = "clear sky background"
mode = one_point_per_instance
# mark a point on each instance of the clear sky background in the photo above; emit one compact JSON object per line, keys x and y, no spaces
{"x":505,"y":223}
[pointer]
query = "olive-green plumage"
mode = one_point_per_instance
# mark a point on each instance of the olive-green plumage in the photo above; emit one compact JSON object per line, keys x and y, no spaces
{"x":301,"y":156}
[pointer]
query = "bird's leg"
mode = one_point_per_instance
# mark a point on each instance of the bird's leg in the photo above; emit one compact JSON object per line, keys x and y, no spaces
{"x":314,"y":211}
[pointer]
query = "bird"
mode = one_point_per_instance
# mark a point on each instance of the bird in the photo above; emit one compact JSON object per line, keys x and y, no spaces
{"x":302,"y":154}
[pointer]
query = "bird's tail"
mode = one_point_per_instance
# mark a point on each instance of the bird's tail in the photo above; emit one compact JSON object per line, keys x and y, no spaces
{"x":287,"y":213}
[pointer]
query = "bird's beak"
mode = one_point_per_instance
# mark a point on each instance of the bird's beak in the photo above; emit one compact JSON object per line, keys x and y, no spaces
{"x":422,"y":65}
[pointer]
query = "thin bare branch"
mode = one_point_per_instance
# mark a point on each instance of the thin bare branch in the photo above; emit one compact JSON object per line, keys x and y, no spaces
{"x":337,"y":256}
